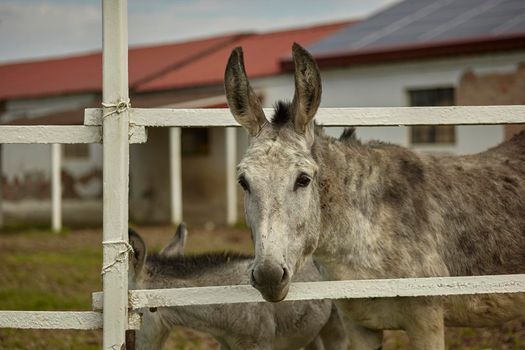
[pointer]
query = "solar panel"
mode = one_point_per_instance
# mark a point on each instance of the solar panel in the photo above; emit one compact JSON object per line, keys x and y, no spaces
{"x":427,"y":21}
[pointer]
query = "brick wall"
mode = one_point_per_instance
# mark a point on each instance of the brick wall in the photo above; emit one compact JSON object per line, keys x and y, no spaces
{"x":493,"y":89}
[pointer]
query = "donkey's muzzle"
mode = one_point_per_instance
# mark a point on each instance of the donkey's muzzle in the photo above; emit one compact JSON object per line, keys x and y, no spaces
{"x":272,"y":280}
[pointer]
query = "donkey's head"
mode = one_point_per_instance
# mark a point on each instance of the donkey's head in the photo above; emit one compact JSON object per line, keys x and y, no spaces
{"x":278,"y":173}
{"x":137,"y":259}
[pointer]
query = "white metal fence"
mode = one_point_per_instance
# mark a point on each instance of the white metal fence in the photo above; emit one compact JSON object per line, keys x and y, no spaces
{"x":117,"y":125}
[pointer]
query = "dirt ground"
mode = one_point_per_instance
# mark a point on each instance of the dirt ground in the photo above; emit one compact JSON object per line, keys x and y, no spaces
{"x":44,"y":271}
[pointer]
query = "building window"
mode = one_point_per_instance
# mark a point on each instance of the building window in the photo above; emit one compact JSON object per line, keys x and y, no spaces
{"x":432,"y":134}
{"x":76,"y":151}
{"x":195,"y":141}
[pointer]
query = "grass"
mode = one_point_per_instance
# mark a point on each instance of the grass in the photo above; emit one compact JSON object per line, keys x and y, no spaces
{"x":40,"y":270}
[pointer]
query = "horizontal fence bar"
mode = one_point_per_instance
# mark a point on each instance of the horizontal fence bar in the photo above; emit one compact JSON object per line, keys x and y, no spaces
{"x":61,"y":134}
{"x":369,"y":116}
{"x":383,"y":288}
{"x":81,"y":320}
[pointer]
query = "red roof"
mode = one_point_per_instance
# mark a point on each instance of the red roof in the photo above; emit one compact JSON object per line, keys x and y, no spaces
{"x":51,"y":77}
{"x":151,"y":61}
{"x":84,"y":73}
{"x":262,"y":58}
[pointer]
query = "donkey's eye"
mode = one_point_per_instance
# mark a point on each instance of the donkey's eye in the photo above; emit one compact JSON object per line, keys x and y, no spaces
{"x":244,"y":184}
{"x":302,"y":180}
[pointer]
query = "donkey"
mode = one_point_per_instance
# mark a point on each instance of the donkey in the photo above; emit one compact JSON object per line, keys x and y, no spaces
{"x":315,"y":325}
{"x":376,"y":210}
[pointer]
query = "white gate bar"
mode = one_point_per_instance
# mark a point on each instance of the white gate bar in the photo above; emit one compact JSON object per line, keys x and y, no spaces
{"x":50,"y":134}
{"x":175,"y":175}
{"x":116,"y":171}
{"x":61,"y":134}
{"x":56,"y":187}
{"x":382,"y":288}
{"x":369,"y":116}
{"x":231,"y":178}
{"x":83,"y":320}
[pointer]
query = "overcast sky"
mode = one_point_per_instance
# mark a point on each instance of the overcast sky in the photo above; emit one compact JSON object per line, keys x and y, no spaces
{"x":43,"y":28}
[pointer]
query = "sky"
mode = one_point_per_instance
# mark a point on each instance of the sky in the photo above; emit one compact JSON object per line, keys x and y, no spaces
{"x":31,"y":29}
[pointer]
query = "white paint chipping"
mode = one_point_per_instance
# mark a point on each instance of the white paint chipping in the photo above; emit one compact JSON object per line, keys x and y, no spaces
{"x":82,"y":320}
{"x":369,"y":116}
{"x":384,"y":288}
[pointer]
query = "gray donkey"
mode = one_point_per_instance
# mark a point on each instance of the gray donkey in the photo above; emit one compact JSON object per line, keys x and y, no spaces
{"x":315,"y":325}
{"x":376,"y":210}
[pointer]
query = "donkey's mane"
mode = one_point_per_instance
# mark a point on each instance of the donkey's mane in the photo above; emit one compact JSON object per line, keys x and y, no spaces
{"x":184,"y":266}
{"x":282,"y":114}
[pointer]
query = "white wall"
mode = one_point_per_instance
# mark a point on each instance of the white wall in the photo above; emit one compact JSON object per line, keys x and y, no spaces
{"x":386,"y":85}
{"x":19,"y":159}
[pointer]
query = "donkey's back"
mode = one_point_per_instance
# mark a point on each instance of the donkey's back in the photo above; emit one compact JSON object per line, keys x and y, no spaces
{"x":481,"y":204}
{"x":480,"y":226}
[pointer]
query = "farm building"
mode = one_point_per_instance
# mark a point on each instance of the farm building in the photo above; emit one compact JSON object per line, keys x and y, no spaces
{"x":415,"y":53}
{"x":175,"y":75}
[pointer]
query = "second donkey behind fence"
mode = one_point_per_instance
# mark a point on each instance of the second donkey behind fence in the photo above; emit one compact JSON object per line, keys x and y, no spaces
{"x":315,"y":325}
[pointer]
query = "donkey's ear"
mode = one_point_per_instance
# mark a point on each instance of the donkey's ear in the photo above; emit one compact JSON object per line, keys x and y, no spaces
{"x":177,"y":244}
{"x":138,"y":256}
{"x":242,"y":100}
{"x":307,"y":89}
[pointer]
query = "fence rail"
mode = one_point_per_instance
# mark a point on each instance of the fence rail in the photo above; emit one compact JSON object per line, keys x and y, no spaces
{"x":81,"y":320}
{"x":382,"y":288}
{"x":366,"y":116}
{"x":49,"y":134}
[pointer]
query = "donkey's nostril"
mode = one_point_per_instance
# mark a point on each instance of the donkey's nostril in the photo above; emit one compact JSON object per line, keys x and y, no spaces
{"x":252,"y":277}
{"x":271,"y":279}
{"x":286,"y":276}
{"x":269,"y":274}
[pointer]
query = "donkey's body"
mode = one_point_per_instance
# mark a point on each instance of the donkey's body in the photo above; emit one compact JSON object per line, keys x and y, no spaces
{"x":315,"y":324}
{"x":408,"y":215}
{"x":377,"y":211}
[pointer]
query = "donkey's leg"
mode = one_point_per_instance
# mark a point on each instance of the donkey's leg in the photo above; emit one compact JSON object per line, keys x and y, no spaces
{"x":333,"y":332}
{"x":362,"y":338}
{"x":424,"y":324}
{"x":153,"y":333}
{"x":316,"y":344}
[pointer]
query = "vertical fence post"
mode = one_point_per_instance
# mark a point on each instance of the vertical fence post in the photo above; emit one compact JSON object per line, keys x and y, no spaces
{"x":56,"y":187}
{"x":175,"y":176}
{"x":1,"y":188}
{"x":231,"y":183}
{"x":116,"y":172}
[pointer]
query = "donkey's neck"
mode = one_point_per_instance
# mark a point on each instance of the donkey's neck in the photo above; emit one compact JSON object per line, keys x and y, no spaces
{"x":196,"y":271}
{"x":359,"y":186}
{"x":165,"y":273}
